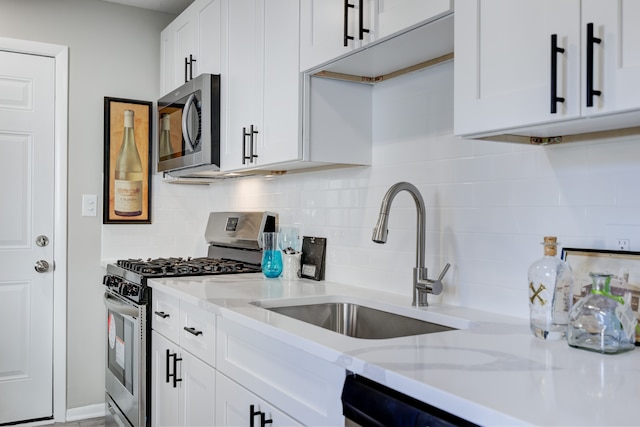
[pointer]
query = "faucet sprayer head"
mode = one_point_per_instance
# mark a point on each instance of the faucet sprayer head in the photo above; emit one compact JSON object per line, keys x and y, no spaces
{"x":380,"y":230}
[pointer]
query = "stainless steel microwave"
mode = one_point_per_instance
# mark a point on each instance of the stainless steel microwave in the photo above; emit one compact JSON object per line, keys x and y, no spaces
{"x":188,"y":137}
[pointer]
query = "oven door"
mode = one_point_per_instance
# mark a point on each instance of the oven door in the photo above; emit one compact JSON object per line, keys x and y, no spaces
{"x":124,"y":380}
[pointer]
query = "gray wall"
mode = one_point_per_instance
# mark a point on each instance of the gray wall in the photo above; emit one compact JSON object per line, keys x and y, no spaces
{"x":114,"y":51}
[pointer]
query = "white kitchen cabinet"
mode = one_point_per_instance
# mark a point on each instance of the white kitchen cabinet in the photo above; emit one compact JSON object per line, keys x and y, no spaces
{"x":182,"y":363}
{"x":190,"y":45}
{"x":237,"y":406}
{"x":616,"y":58}
{"x":165,"y":317}
{"x":505,"y":71}
{"x":330,"y":29}
{"x":164,"y":395}
{"x":300,"y":384}
{"x":183,"y":387}
{"x":261,"y":84}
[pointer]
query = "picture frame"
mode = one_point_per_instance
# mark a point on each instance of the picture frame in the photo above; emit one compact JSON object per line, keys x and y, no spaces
{"x":624,"y":266}
{"x":127,"y":181}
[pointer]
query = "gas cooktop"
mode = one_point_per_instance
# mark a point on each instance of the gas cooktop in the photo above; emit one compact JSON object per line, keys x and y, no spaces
{"x":164,"y":267}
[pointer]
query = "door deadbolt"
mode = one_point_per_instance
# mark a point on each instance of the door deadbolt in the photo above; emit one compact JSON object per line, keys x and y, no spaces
{"x":41,"y":266}
{"x":42,"y":241}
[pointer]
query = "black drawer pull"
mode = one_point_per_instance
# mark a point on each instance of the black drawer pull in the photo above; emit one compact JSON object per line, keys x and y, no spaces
{"x":192,"y":331}
{"x":162,"y":314}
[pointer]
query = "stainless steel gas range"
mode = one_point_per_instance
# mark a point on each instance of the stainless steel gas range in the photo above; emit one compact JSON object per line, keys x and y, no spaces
{"x":234,"y":248}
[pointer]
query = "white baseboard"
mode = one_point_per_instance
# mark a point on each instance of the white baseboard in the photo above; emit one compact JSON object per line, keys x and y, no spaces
{"x":86,"y":412}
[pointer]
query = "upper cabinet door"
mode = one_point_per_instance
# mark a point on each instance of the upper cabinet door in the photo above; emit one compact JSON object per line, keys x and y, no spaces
{"x":190,"y":45}
{"x":503,"y":65}
{"x":331,"y":28}
{"x":209,"y":38}
{"x":242,"y":83}
{"x":281,"y":141}
{"x":616,"y":57}
{"x":262,"y":89}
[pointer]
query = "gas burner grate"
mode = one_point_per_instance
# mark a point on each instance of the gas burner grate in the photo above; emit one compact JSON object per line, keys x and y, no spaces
{"x":168,"y":267}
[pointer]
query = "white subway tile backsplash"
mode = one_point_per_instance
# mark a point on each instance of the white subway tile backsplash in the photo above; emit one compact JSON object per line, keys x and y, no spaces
{"x":489,"y":204}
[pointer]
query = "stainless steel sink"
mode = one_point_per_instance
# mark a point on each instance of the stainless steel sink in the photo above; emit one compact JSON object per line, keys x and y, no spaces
{"x":358,"y":321}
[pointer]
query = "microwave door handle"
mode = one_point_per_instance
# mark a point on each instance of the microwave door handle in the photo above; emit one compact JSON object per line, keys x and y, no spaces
{"x":119,"y":307}
{"x":185,"y":120}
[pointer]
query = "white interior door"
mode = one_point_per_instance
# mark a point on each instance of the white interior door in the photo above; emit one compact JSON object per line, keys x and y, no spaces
{"x":26,"y":296}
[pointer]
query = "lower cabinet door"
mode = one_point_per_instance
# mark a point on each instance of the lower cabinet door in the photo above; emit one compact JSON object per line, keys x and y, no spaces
{"x":164,"y":395}
{"x":182,"y":386}
{"x":197,"y":400}
{"x":237,"y":406}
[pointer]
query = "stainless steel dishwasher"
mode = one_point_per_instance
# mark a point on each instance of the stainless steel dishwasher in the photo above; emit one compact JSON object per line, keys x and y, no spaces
{"x":367,"y":403}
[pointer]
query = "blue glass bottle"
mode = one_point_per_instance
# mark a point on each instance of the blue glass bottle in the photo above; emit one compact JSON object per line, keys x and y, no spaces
{"x":272,"y":263}
{"x":271,"y":255}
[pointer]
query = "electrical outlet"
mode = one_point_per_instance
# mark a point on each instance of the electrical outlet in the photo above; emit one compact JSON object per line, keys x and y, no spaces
{"x":622,"y":244}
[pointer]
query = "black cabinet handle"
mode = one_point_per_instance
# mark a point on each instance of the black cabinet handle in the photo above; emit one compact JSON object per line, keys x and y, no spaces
{"x":263,"y":420}
{"x":250,"y":134}
{"x":193,"y":331}
{"x":245,"y":134}
{"x":167,"y":357}
{"x":346,"y":35}
{"x":188,"y":64}
{"x":252,"y":148}
{"x":252,"y":414}
{"x":176,"y":380}
{"x":554,"y":73}
{"x":362,"y":30}
{"x":591,"y":40}
{"x":191,"y":61}
{"x":173,"y":375}
{"x":162,"y":314}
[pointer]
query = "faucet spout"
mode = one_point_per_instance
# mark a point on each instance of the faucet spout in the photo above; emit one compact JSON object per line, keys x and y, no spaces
{"x":421,"y":284}
{"x":381,"y":231}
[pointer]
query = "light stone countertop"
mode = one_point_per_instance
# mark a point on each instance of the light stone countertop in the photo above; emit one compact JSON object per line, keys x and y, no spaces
{"x":491,"y":371}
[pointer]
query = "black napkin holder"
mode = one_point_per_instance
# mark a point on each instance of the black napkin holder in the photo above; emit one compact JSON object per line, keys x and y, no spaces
{"x":313,"y":257}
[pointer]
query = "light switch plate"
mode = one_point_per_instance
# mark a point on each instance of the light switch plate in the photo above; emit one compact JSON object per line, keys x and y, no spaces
{"x":89,"y":204}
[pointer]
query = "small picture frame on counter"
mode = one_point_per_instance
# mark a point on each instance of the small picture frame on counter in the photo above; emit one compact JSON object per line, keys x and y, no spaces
{"x":313,"y":257}
{"x":624,"y":266}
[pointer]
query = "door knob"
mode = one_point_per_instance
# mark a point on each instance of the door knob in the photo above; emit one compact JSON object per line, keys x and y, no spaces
{"x":41,"y":266}
{"x":42,"y":241}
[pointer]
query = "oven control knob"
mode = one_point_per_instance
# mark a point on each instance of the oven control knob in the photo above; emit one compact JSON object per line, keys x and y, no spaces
{"x":111,"y":281}
{"x":130,"y":290}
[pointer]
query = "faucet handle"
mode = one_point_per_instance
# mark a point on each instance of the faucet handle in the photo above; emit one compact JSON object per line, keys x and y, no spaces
{"x":430,"y":286}
{"x":444,"y":271}
{"x":436,"y":285}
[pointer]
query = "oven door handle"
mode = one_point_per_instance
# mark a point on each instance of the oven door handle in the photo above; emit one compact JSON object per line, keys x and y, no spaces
{"x":117,"y":306}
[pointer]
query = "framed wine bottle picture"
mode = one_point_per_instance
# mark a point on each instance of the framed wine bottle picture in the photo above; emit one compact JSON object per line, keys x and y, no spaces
{"x":127,"y":161}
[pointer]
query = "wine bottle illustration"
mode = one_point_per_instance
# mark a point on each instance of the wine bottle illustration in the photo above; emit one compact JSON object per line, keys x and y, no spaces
{"x":128,"y":173}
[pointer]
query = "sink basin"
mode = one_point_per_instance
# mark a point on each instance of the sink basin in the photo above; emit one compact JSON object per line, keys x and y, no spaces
{"x":358,"y":321}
